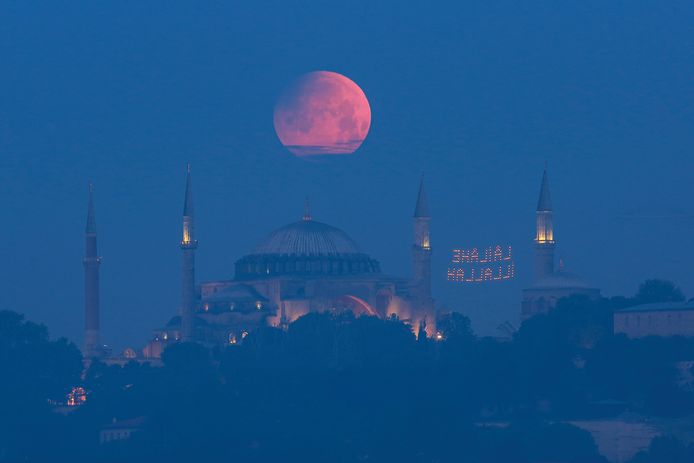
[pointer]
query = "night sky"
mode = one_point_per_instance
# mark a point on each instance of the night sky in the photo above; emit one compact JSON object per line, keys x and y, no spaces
{"x":474,"y":95}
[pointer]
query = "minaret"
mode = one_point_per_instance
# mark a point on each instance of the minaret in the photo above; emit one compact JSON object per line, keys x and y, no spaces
{"x":283,"y":317}
{"x":422,"y":330}
{"x":188,"y":246}
{"x":544,"y":234}
{"x":92,"y":344}
{"x":421,"y":248}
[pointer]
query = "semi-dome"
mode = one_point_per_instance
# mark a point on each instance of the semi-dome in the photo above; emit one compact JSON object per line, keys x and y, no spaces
{"x":305,"y":248}
{"x":308,"y":238}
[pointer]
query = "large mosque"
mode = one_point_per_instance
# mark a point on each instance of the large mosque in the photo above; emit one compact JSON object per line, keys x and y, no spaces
{"x":309,"y":266}
{"x":305,"y":266}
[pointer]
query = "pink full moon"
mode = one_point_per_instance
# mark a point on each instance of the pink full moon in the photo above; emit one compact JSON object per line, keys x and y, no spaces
{"x":322,"y":113}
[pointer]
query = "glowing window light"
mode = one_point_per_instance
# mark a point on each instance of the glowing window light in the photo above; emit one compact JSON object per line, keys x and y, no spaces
{"x":544,"y":229}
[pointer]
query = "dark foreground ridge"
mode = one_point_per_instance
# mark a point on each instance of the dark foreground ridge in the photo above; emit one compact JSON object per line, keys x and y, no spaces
{"x":333,"y":387}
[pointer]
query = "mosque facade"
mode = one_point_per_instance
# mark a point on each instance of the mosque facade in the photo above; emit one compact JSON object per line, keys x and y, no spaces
{"x":305,"y":266}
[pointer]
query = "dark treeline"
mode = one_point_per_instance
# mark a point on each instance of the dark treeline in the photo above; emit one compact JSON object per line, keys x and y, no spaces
{"x":335,"y":388}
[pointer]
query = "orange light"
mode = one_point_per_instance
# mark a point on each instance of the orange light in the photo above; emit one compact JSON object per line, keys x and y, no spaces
{"x":76,"y":397}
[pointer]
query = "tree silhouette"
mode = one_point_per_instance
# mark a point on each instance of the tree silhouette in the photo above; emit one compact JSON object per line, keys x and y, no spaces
{"x":35,"y":372}
{"x":658,"y":291}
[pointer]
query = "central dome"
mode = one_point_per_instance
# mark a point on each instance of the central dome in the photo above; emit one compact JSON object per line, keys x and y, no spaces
{"x":307,"y":238}
{"x":306,"y":248}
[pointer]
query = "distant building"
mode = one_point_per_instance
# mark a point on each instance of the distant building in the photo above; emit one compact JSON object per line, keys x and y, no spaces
{"x":620,"y":438}
{"x":120,"y":430}
{"x":549,"y":285}
{"x":92,"y":343}
{"x":658,"y":319}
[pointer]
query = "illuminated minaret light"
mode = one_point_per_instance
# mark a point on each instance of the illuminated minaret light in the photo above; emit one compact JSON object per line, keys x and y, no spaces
{"x":92,"y":342}
{"x":188,"y":246}
{"x":544,"y":232}
{"x":421,"y":248}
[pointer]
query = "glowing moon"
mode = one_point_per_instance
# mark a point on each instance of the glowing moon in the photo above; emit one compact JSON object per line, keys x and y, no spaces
{"x":322,"y":113}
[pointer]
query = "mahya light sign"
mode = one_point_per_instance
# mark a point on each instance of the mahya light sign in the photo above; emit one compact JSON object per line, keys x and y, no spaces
{"x":494,"y":263}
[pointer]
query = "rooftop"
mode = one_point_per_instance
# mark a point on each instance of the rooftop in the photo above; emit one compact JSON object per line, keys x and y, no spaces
{"x":561,"y":280}
{"x":661,"y":307}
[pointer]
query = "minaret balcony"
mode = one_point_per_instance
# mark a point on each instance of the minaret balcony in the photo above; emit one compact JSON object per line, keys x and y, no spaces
{"x":190,"y":244}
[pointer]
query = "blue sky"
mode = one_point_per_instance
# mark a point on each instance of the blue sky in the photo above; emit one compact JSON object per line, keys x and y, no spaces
{"x":474,"y":95}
